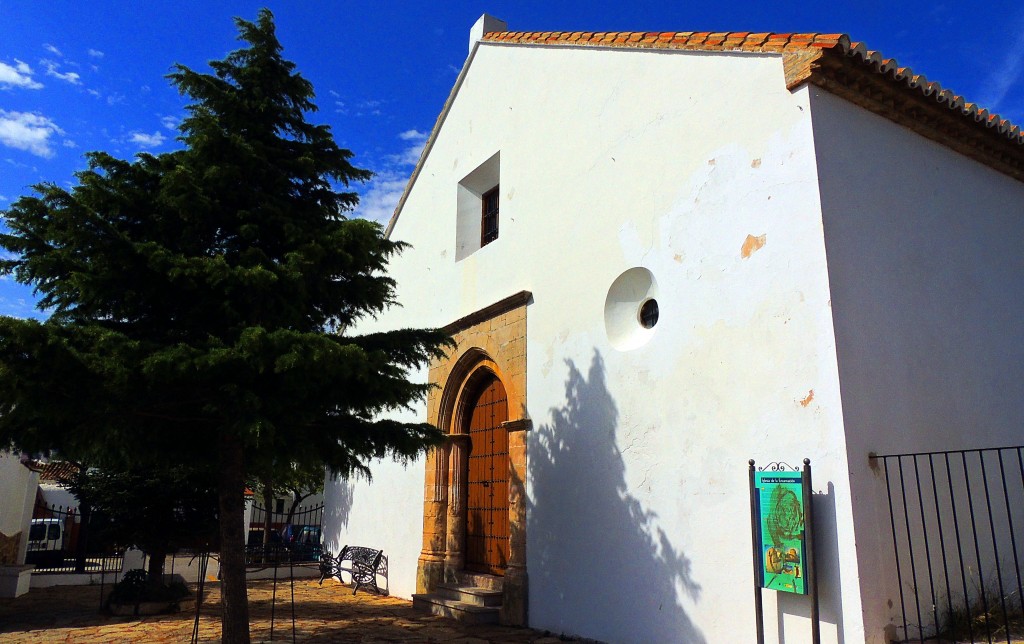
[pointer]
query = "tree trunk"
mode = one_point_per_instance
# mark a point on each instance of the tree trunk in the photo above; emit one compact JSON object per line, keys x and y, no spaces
{"x":230,"y":490}
{"x":156,"y":565}
{"x":297,"y":498}
{"x":268,"y":500}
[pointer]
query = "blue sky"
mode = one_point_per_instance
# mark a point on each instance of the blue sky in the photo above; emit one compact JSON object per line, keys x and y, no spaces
{"x":79,"y":76}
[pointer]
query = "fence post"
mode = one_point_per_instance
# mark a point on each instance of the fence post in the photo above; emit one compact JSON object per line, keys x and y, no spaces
{"x":82,"y":545}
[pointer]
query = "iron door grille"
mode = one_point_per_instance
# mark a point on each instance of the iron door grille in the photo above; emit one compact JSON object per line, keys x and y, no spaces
{"x":487,"y":527}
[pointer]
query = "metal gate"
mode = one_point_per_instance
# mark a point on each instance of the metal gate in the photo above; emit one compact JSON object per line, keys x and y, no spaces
{"x":70,"y":540}
{"x":294,"y":536}
{"x":954,"y":518}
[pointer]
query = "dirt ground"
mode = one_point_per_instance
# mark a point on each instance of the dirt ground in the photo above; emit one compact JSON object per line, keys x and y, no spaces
{"x":322,"y":614}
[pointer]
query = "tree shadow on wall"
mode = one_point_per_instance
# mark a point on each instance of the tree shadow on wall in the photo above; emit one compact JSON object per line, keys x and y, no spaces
{"x":600,"y":564}
{"x":338,"y":497}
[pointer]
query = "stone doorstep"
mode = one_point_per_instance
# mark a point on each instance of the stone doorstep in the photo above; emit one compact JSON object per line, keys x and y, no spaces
{"x":454,"y":609}
{"x":470,"y":595}
{"x":481,"y":580}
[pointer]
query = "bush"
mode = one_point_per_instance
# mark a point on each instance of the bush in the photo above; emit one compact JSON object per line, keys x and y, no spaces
{"x":136,"y":587}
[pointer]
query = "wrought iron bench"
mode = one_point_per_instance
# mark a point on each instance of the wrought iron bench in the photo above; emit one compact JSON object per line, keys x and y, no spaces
{"x":363,"y":565}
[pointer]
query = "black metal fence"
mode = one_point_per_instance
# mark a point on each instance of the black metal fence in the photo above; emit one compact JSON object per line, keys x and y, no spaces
{"x":69,"y":540}
{"x":292,"y":536}
{"x":954,"y":517}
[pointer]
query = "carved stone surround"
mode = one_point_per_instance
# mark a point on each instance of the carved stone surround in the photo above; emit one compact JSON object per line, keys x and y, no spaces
{"x":490,"y":341}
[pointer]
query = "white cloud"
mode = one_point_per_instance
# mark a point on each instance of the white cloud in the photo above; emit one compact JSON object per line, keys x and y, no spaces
{"x":51,"y":70}
{"x":368,"y":108}
{"x":68,"y":143}
{"x":379,"y":201}
{"x":94,"y":92}
{"x":1007,"y":76}
{"x":411,"y":154}
{"x":147,"y":140}
{"x":413,"y":135}
{"x":170,"y":122}
{"x":3,"y":198}
{"x":53,"y":50}
{"x":95,"y":53}
{"x":28,"y":131}
{"x":17,"y":301}
{"x":20,"y":75}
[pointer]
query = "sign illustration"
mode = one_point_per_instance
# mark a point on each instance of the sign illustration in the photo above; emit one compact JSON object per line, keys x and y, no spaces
{"x":781,"y":523}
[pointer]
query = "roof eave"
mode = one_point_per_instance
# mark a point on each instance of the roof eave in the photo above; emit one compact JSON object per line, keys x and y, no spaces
{"x":939,"y":115}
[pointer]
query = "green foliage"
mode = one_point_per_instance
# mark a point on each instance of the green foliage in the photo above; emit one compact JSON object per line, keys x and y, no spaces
{"x":157,"y":510}
{"x":210,"y":293}
{"x":203,"y":303}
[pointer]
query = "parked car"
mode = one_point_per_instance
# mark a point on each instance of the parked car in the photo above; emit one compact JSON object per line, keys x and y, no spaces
{"x":303,"y":541}
{"x":47,"y":542}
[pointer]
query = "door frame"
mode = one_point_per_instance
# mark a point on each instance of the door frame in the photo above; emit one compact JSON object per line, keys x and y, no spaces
{"x":489,"y":341}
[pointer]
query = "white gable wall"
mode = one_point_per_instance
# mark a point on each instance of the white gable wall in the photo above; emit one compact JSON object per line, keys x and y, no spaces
{"x":926,"y":275}
{"x":638,"y":516}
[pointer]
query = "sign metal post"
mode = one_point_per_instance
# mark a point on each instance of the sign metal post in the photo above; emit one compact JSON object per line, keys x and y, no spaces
{"x":782,"y":530}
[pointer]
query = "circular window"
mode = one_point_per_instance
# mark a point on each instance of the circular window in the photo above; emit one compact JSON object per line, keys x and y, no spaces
{"x":649,"y":313}
{"x":631,"y":310}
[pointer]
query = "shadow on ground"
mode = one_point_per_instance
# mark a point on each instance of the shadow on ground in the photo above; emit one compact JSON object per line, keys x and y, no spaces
{"x":322,"y":614}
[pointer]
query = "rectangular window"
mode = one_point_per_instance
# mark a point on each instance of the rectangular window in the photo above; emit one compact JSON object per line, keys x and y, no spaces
{"x":489,"y":216}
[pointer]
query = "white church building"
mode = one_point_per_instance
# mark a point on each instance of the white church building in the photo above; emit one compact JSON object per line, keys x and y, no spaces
{"x":664,"y":254}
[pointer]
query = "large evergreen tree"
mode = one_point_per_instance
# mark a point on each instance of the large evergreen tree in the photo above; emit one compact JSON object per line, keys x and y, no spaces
{"x":203,"y":300}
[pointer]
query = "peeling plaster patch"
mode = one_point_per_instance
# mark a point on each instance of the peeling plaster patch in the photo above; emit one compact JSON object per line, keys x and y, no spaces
{"x":756,"y":163}
{"x":807,"y":401}
{"x":752,"y":244}
{"x":678,"y":258}
{"x":711,"y":162}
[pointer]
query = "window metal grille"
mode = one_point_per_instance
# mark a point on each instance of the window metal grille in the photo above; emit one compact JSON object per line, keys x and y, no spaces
{"x":489,"y":217}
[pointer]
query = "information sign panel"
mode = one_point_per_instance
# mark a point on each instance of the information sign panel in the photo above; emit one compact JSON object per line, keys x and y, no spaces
{"x":781,"y":526}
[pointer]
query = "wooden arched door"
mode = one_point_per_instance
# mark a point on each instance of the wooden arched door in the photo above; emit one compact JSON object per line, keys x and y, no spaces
{"x":487,"y":479}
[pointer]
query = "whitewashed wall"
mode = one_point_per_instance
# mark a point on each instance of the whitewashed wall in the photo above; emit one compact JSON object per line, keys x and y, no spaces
{"x":638,"y":525}
{"x":17,"y":498}
{"x":385,"y":512}
{"x":927,"y":280}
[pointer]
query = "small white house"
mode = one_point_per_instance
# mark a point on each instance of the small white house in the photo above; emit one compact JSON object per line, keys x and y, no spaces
{"x":664,"y":254}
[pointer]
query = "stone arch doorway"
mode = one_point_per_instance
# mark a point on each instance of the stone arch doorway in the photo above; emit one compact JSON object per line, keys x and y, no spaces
{"x":490,"y":360}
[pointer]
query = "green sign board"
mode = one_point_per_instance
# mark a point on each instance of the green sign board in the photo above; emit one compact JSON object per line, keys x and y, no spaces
{"x":781,"y":531}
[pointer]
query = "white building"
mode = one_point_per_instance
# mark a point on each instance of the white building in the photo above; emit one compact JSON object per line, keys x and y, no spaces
{"x":833,"y":245}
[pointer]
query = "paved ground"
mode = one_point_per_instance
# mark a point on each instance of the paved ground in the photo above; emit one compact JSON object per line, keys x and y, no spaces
{"x":323,"y":614}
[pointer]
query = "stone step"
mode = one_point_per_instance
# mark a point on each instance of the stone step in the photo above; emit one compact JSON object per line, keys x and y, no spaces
{"x":470,"y":594}
{"x":481,"y":580}
{"x":460,"y":611}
